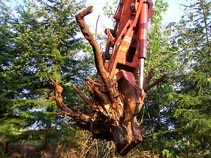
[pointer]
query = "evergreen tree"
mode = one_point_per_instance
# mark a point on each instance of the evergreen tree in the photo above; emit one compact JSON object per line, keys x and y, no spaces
{"x":41,"y":41}
{"x":156,"y":116}
{"x":190,"y":103}
{"x":37,"y":42}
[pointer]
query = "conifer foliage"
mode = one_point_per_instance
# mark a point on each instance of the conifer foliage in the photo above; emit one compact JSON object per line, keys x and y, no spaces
{"x":190,"y":103}
{"x":39,"y":44}
{"x":38,"y":40}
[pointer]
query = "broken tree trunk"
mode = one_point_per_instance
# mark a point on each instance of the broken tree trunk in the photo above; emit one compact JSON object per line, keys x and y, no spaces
{"x":112,"y":102}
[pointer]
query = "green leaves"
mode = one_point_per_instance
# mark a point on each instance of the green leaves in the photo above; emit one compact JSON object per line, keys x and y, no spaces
{"x":40,"y":41}
{"x":37,"y":42}
{"x":191,"y":99}
{"x":180,"y":108}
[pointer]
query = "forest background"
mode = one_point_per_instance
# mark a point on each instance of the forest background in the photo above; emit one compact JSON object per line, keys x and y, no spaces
{"x":40,"y":39}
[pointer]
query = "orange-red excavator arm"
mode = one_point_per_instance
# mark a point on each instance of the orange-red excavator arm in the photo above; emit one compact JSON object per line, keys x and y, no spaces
{"x":128,"y":41}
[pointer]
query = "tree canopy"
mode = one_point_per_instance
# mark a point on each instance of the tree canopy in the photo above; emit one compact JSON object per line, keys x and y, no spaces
{"x":40,"y":40}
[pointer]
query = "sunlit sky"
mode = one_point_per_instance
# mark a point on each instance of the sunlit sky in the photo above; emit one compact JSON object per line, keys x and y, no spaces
{"x":173,"y":13}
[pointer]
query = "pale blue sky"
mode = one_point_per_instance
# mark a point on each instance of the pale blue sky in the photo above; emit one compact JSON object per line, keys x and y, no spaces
{"x":173,"y":13}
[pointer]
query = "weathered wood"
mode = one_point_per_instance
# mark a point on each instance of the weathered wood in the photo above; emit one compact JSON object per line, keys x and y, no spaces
{"x":113,"y":104}
{"x":97,"y":52}
{"x":156,"y":82}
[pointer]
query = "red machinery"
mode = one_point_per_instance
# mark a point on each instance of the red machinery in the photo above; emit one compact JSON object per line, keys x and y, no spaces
{"x":129,"y":45}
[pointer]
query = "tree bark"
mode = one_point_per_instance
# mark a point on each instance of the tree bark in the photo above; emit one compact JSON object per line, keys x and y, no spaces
{"x":113,"y":103}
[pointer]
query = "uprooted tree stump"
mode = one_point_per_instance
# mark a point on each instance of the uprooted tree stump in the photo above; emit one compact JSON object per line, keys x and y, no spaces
{"x":112,"y":117}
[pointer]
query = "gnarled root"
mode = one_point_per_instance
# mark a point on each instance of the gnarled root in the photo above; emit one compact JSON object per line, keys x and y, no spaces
{"x":113,"y":104}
